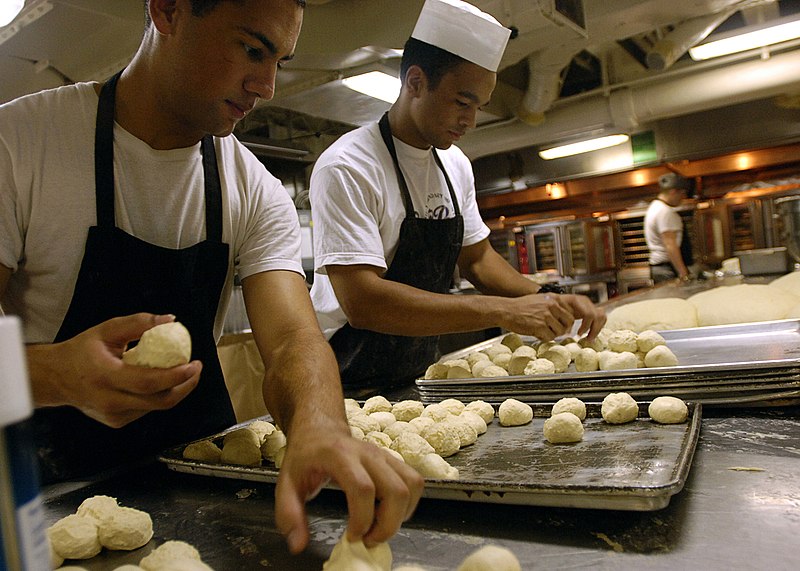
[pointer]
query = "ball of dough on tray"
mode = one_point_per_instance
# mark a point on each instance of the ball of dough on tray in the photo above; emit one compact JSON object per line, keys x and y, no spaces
{"x":467,"y":435}
{"x":562,"y":428}
{"x":648,"y":339}
{"x":623,"y":340}
{"x":458,"y":369}
{"x":56,"y":560}
{"x":544,"y":346}
{"x":242,"y":434}
{"x":412,"y":447}
{"x":436,"y":371}
{"x":376,"y":404}
{"x":660,"y":356}
{"x":421,"y":422}
{"x":619,"y":408}
{"x":394,"y":453}
{"x":493,"y":350}
{"x":490,"y":558}
{"x":351,"y":404}
{"x":163,"y":346}
{"x":519,"y":358}
{"x":514,"y":413}
{"x":436,"y":411}
{"x":183,"y":564}
{"x":475,"y":420}
{"x":365,"y":422}
{"x":668,"y":410}
{"x":384,"y":418}
{"x":657,"y":314}
{"x":203,"y":451}
{"x":407,"y":409}
{"x":355,"y":556}
{"x":453,"y":406}
{"x":434,"y":466}
{"x":559,"y":356}
{"x":126,"y":529}
{"x":396,"y":429}
{"x":540,"y":366}
{"x":443,"y":437}
{"x":168,"y":552}
{"x":275,"y":442}
{"x":262,"y":428}
{"x":355,"y":432}
{"x":597,"y":344}
{"x":493,"y":371}
{"x":512,"y":341}
{"x":100,"y":508}
{"x":279,"y":455}
{"x":240,"y":452}
{"x":586,"y":360}
{"x":482,"y":409}
{"x":479,"y":366}
{"x":789,"y":283}
{"x":501,"y":360}
{"x":619,"y":361}
{"x":570,"y":404}
{"x":75,"y":537}
{"x":476,"y":356}
{"x":573,"y":348}
{"x":379,"y":439}
{"x":742,"y":303}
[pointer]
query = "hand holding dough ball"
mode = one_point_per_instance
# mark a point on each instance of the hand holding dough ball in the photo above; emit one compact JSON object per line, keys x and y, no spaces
{"x":668,"y":410}
{"x":490,"y":558}
{"x":570,"y":404}
{"x":126,"y":529}
{"x":514,"y":413}
{"x":75,"y":537}
{"x":562,"y":428}
{"x":163,"y":346}
{"x":619,"y":408}
{"x":660,"y":356}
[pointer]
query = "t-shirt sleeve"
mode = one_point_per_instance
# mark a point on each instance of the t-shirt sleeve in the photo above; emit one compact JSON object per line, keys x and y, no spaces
{"x":669,"y":221}
{"x":344,"y":214}
{"x":475,"y":229}
{"x":11,"y":237}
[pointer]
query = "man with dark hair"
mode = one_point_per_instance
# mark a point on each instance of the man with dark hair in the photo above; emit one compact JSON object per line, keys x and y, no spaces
{"x":394,"y":213}
{"x":670,"y":251}
{"x":128,"y":204}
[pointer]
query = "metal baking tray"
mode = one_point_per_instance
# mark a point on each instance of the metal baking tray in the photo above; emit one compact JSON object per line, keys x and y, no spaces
{"x":752,"y":362}
{"x":637,"y":466}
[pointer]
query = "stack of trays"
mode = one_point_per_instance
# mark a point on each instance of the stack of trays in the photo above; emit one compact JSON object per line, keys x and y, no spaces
{"x":752,"y":363}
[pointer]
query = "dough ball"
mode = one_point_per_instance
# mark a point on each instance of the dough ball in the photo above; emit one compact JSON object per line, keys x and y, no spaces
{"x":396,"y":429}
{"x":412,"y":447}
{"x":482,"y":409}
{"x":75,"y":537}
{"x":394,"y":453}
{"x":570,"y":404}
{"x":379,"y":439}
{"x":573,"y":348}
{"x":164,"y":554}
{"x":275,"y":442}
{"x":794,"y":312}
{"x":241,"y":452}
{"x":262,"y":428}
{"x":128,"y":567}
{"x":540,"y":366}
{"x":512,"y":341}
{"x":597,"y":344}
{"x":623,"y":340}
{"x":407,"y":409}
{"x":99,"y":508}
{"x":789,"y":283}
{"x":436,"y":371}
{"x":648,"y":339}
{"x":660,"y":356}
{"x":244,"y":434}
{"x":474,"y":420}
{"x":384,"y":418}
{"x":493,"y":371}
{"x":501,"y":360}
{"x":355,"y":556}
{"x":56,"y":560}
{"x":493,"y":350}
{"x":458,"y":369}
{"x":668,"y":410}
{"x":619,"y":361}
{"x":163,"y":346}
{"x":421,"y":422}
{"x":453,"y":406}
{"x":126,"y":529}
{"x":443,"y":437}
{"x":365,"y":422}
{"x":351,"y":404}
{"x":467,"y":435}
{"x":587,"y":360}
{"x":436,"y":467}
{"x":479,"y":366}
{"x":183,"y":564}
{"x":409,"y":568}
{"x":377,"y":404}
{"x":563,"y":427}
{"x":355,"y":432}
{"x":619,"y":408}
{"x":742,"y":303}
{"x":490,"y":558}
{"x":476,"y":356}
{"x":436,"y":411}
{"x":519,"y":358}
{"x":514,"y":413}
{"x":279,"y":455}
{"x":657,"y":314}
{"x":559,"y":356}
{"x":544,"y":346}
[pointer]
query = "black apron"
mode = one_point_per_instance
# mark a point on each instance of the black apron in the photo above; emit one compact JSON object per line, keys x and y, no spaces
{"x":120,"y":275}
{"x":426,"y":257}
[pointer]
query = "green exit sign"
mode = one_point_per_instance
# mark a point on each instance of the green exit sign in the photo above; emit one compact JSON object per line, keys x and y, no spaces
{"x":644,"y":148}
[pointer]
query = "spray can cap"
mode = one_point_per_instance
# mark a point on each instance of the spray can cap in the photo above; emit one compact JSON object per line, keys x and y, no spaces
{"x":15,"y":393}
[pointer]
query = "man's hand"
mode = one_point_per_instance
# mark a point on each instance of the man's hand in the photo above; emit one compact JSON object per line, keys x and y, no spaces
{"x":546,"y":316}
{"x":87,"y":372}
{"x":382,"y":492}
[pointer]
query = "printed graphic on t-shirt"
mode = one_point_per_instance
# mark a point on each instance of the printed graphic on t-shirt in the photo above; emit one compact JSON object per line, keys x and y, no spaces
{"x":436,"y":206}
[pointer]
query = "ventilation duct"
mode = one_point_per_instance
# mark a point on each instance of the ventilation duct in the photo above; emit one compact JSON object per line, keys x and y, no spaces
{"x":685,"y":35}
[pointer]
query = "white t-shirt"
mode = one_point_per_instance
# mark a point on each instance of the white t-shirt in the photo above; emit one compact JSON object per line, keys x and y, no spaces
{"x":47,"y":204}
{"x":659,"y":218}
{"x":357,"y":207}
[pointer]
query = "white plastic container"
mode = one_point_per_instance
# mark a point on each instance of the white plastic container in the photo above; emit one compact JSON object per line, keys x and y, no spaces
{"x":23,"y":545}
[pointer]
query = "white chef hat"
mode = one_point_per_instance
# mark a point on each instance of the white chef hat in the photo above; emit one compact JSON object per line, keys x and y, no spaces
{"x":463,"y":30}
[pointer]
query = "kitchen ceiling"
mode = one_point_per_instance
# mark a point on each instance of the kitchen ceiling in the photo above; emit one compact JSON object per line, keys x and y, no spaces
{"x":573,"y":67}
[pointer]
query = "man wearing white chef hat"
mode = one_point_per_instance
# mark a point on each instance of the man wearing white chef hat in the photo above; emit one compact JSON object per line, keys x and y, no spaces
{"x":395,"y":213}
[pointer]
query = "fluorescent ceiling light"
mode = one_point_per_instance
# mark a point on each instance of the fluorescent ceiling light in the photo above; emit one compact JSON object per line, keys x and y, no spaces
{"x":583,"y":147}
{"x":375,"y":84}
{"x":739,"y":41}
{"x":9,"y":9}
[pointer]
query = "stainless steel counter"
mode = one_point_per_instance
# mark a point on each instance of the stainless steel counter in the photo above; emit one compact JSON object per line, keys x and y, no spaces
{"x":739,"y":509}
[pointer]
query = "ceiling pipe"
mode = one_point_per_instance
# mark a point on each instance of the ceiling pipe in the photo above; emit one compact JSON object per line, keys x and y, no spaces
{"x":630,"y":107}
{"x":687,"y":34}
{"x":544,"y":83}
